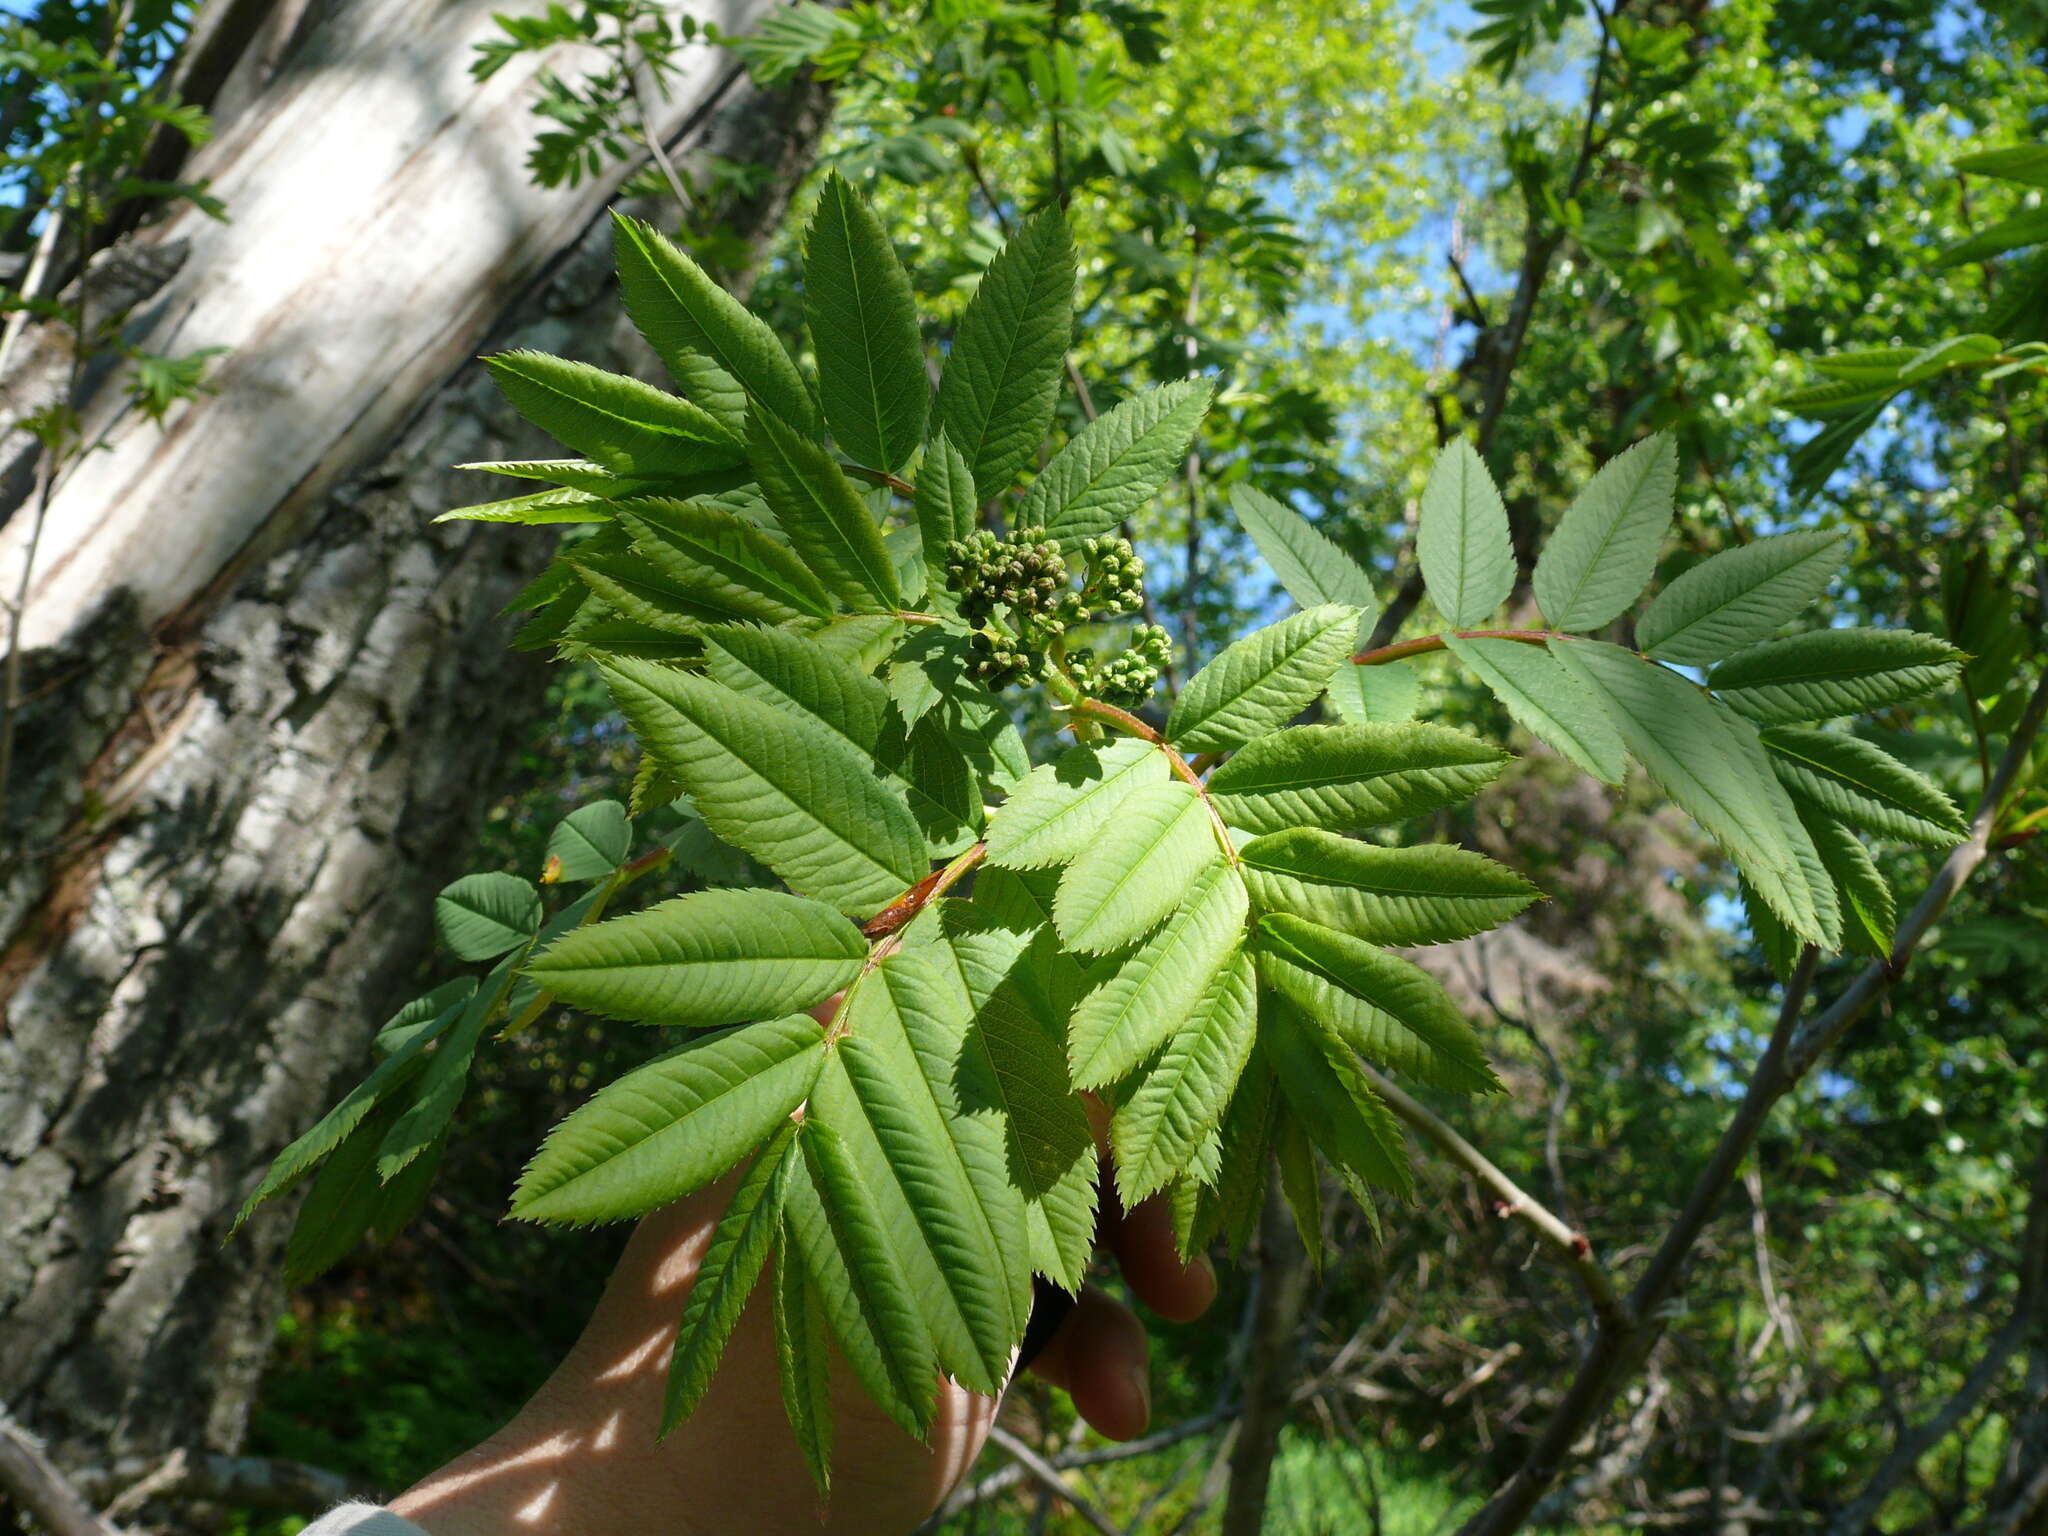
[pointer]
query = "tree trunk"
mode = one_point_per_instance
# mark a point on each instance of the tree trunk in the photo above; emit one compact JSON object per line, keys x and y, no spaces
{"x":268,"y":696}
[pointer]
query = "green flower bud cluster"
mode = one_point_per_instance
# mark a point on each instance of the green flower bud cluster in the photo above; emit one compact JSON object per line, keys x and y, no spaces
{"x":1027,"y":576}
{"x":1128,"y":677}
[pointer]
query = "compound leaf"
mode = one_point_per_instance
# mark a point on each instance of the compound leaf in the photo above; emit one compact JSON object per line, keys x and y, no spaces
{"x":803,"y":1358}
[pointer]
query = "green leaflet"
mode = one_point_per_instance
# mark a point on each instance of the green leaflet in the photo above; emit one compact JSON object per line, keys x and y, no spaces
{"x":1432,"y":894}
{"x":1061,"y":807}
{"x":1023,"y":904}
{"x":1385,"y":693}
{"x":339,"y":1123}
{"x":1013,"y":1064}
{"x":1327,"y":1093}
{"x":712,"y":346}
{"x":1604,"y":549}
{"x":441,"y":1085}
{"x":574,"y":474}
{"x":1461,"y":538}
{"x":481,"y":916}
{"x":1126,"y":1017}
{"x":1349,"y":777}
{"x":1295,"y":1157}
{"x":846,"y":1252}
{"x":537,"y":509}
{"x":348,"y":1200}
{"x":1136,"y":870}
{"x":433,"y":1011}
{"x":863,"y":322}
{"x":1115,"y":464}
{"x":1310,"y":566}
{"x":927,"y":1176}
{"x":629,"y":427}
{"x":727,"y":561}
{"x":1259,"y":683}
{"x":590,"y":842}
{"x":803,"y":1359}
{"x":643,"y":591}
{"x":1869,"y":916}
{"x":946,"y":509}
{"x":2022,"y":229}
{"x":2026,"y":164}
{"x":1247,"y":1145}
{"x":788,"y":672}
{"x":779,"y":787}
{"x":1740,"y":596}
{"x":1002,"y":376}
{"x":726,"y":1277}
{"x":1830,"y":672}
{"x":712,"y":957}
{"x":1707,"y":759}
{"x":1160,"y":1131}
{"x":822,"y":513}
{"x":1863,"y":785}
{"x":1546,"y":701}
{"x":667,"y":1129}
{"x":1388,"y":1010}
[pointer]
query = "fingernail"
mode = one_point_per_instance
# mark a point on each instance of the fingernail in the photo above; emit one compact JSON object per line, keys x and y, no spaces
{"x":1140,"y":1377}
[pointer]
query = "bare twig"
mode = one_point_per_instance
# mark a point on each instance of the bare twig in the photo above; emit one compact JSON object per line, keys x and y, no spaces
{"x":1050,"y":1478}
{"x":1570,"y":1247}
{"x":1616,"y":1352}
{"x":32,"y":1479}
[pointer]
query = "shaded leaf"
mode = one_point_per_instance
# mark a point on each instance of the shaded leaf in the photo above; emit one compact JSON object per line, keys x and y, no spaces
{"x":590,"y":842}
{"x":1309,"y":564}
{"x":1546,"y":701}
{"x":1432,"y":894}
{"x":1830,"y":672}
{"x":1160,"y":1131}
{"x":1859,"y":783}
{"x":481,"y":916}
{"x":1461,"y":538}
{"x":1604,"y":549}
{"x":1322,"y":1085}
{"x":824,"y":516}
{"x":1740,"y":596}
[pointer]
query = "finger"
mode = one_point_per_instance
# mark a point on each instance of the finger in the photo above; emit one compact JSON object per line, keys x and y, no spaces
{"x":1144,"y":1245}
{"x":1102,"y":1359}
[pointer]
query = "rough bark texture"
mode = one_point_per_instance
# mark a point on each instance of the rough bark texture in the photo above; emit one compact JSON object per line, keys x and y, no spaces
{"x":216,"y":871}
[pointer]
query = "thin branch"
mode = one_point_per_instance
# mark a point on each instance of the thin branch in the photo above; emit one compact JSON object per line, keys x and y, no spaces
{"x":1569,"y":1246}
{"x":1422,"y":644}
{"x":1049,"y":1477}
{"x":33,"y":1480}
{"x":1617,"y":1352}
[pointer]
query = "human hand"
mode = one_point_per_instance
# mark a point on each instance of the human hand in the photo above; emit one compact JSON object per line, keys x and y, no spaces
{"x":582,"y":1457}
